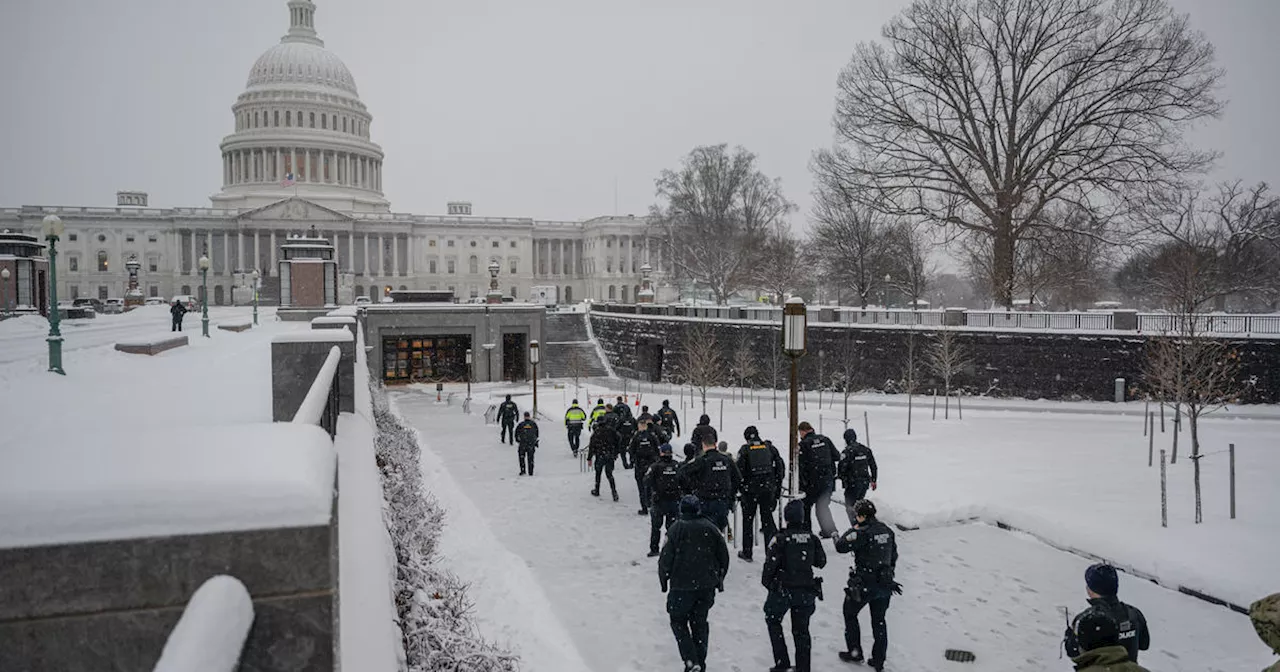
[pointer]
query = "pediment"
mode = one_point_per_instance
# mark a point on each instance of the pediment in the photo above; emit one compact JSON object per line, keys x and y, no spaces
{"x":294,"y":209}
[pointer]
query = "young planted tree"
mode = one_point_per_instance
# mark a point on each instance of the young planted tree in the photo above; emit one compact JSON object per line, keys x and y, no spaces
{"x":700,"y":364}
{"x":575,"y":365}
{"x":979,"y":115}
{"x":744,"y":362}
{"x":844,"y":376}
{"x":911,"y":373}
{"x":946,"y":358}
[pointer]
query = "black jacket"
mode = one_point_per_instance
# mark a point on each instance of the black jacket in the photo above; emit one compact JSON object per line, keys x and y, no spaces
{"x":875,"y":557}
{"x":713,"y":476}
{"x":508,"y":411}
{"x":177,"y":310}
{"x":667,"y":418}
{"x":527,"y":433}
{"x":1134,"y":636}
{"x":663,"y":480}
{"x":857,"y":463}
{"x":695,"y":437}
{"x":603,"y":444}
{"x":644,"y":449}
{"x":818,"y":460}
{"x":694,"y":556}
{"x":790,"y":559}
{"x":761,"y":468}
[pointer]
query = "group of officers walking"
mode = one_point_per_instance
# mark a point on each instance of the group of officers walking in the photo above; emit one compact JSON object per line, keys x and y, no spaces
{"x":692,"y":501}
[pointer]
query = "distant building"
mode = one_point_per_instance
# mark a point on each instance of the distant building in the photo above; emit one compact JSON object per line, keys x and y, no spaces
{"x":302,"y":155}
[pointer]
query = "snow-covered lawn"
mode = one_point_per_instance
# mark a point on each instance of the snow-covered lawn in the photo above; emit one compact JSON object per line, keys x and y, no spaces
{"x":551,"y":564}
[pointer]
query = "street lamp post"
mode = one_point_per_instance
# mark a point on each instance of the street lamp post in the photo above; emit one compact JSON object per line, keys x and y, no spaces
{"x":469,"y":375}
{"x":4,"y":289}
{"x":255,"y":276}
{"x":52,"y":229}
{"x":204,"y":291}
{"x":794,"y":328}
{"x":534,"y":356}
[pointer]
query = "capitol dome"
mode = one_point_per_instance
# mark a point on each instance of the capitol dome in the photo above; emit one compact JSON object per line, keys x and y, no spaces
{"x":301,"y":129}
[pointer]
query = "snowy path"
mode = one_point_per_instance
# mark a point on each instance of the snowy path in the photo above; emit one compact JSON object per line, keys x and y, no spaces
{"x":971,"y":586}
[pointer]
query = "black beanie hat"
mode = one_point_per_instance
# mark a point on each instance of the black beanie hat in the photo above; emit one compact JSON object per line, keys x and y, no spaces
{"x":751,"y":433}
{"x":690,"y":505}
{"x":1096,"y":629}
{"x":793,"y":512}
{"x":1102,"y":579}
{"x":850,"y":436}
{"x":704,"y":419}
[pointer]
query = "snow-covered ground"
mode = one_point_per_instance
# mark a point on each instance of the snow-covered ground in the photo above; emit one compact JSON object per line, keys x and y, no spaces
{"x":550,"y":563}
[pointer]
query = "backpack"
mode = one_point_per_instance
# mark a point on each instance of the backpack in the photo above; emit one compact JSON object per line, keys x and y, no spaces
{"x":797,"y":563}
{"x":666,"y":481}
{"x":646,"y":450}
{"x":759,"y":466}
{"x":718,"y":481}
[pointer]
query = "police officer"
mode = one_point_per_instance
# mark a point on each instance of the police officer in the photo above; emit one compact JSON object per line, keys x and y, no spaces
{"x":626,"y":427}
{"x":663,"y":482}
{"x":818,"y":459}
{"x":714,"y":478}
{"x":762,"y":470}
{"x":668,"y":419}
{"x":788,"y":576}
{"x":598,"y":412}
{"x":875,"y":555}
{"x":527,"y":436}
{"x":644,"y":452}
{"x":704,"y":423}
{"x":601,"y":450}
{"x":857,"y":472}
{"x":574,"y":419}
{"x":1102,"y":584}
{"x":691,"y":568}
{"x":508,"y":412}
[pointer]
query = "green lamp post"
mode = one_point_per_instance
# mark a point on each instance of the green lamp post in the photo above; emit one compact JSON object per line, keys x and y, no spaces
{"x":256,"y":275}
{"x":52,"y":229}
{"x":204,"y":294}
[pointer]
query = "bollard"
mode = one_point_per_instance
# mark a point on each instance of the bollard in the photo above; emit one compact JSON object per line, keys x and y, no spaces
{"x":1164,"y":492}
{"x":1146,"y":410}
{"x":757,"y":408}
{"x":1231,"y":470}
{"x":935,"y":403}
{"x":1151,"y":437}
{"x":1119,"y":390}
{"x":960,"y":404}
{"x":820,"y":424}
{"x":722,"y":414}
{"x":866,"y":428}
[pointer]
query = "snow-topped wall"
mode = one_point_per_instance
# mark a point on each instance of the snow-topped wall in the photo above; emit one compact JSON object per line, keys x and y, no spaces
{"x":1029,"y":364}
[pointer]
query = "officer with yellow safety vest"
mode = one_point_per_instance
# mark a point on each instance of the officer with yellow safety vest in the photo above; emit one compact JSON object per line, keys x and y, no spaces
{"x":574,"y":419}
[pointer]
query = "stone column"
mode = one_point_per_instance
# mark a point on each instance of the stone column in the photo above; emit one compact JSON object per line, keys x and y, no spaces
{"x":274,"y":251}
{"x":194,"y":256}
{"x":293,"y":162}
{"x":410,"y":249}
{"x":240,"y":249}
{"x":226,"y":253}
{"x":257,"y":252}
{"x":382,"y":257}
{"x":365,"y":268}
{"x":395,"y":254}
{"x":351,"y":252}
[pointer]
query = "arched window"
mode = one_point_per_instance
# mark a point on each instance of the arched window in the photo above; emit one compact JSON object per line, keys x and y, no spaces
{"x":568,"y":295}
{"x":624,"y":294}
{"x":102,"y":262}
{"x":473,"y":264}
{"x":613,"y":292}
{"x":359,"y":290}
{"x":288,"y":118}
{"x":277,"y":119}
{"x":344,"y":124}
{"x":313,"y":120}
{"x":324,"y":121}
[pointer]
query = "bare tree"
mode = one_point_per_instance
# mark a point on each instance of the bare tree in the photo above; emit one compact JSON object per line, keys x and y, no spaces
{"x":781,"y":267}
{"x":947,"y":358}
{"x":980,"y":114}
{"x":777,"y":366}
{"x":700,"y":363}
{"x":744,"y":362}
{"x":1199,"y":373}
{"x":717,"y":210}
{"x":912,"y":271}
{"x":852,"y":243}
{"x":575,"y":365}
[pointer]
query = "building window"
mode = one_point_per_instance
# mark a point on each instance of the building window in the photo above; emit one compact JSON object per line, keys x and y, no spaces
{"x":433,"y":288}
{"x":128,"y":237}
{"x":608,"y":242}
{"x":102,"y":292}
{"x":495,"y":243}
{"x":431,"y":243}
{"x":475,"y":291}
{"x":102,"y":262}
{"x":473,"y":243}
{"x":431,"y":266}
{"x":451,"y":243}
{"x":515,"y":263}
{"x":102,"y":237}
{"x":324,"y":121}
{"x":72,"y":237}
{"x":609,"y":266}
{"x":75,"y":292}
{"x":473,"y":265}
{"x":73,"y":263}
{"x":277,"y":118}
{"x":613,"y":292}
{"x":154,"y":290}
{"x":152,"y":264}
{"x":313,"y":120}
{"x":513,"y":293}
{"x":513,"y":244}
{"x":452,"y":289}
{"x":452,"y":266}
{"x":344,"y":124}
{"x":151,"y":238}
{"x":288,"y":118}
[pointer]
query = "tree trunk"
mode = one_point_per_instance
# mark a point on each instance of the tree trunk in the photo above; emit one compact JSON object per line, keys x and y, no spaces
{"x":1002,"y":261}
{"x":1193,"y":418}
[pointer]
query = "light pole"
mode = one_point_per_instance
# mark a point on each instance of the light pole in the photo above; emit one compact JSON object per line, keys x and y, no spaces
{"x":4,"y":289}
{"x":468,"y":374}
{"x":794,"y":328}
{"x":204,"y":294}
{"x":256,"y":275}
{"x":52,"y":229}
{"x":534,"y":355}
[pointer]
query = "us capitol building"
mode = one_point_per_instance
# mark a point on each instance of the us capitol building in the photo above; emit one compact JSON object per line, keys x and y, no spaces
{"x":302,"y":155}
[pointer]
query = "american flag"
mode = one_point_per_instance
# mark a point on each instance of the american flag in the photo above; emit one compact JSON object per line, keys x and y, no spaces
{"x":288,"y":180}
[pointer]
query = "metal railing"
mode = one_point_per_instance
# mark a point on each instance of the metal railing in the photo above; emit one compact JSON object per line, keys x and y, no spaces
{"x":1036,"y":320}
{"x":1210,"y":324}
{"x":320,"y":406}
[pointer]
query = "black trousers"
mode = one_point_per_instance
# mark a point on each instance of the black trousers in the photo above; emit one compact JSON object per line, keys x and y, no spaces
{"x":661,"y":515}
{"x":605,"y":467}
{"x":177,"y":324}
{"x":688,"y":610}
{"x":764,"y":504}
{"x":852,"y":493}
{"x":526,"y":458}
{"x":508,"y":432}
{"x":801,"y":604}
{"x":643,"y":489}
{"x":622,"y":451}
{"x":879,"y":629}
{"x":575,"y":438}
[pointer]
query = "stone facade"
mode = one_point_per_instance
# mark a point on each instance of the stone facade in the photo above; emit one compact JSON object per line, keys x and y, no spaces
{"x":1025,"y":363}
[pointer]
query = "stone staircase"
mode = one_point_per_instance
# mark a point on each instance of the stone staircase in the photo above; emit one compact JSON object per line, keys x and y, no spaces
{"x":566,"y":347}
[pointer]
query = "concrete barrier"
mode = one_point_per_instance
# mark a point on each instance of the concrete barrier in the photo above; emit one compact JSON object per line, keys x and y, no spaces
{"x":154,"y":346}
{"x":236,"y":326}
{"x":296,"y":359}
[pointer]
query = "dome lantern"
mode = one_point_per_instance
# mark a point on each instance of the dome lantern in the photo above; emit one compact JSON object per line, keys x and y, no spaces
{"x":302,"y":23}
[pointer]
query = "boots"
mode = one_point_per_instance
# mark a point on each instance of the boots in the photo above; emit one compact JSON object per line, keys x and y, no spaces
{"x":615,"y":495}
{"x":595,"y":492}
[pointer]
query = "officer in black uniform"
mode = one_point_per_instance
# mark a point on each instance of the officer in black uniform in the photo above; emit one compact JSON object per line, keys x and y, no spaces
{"x":762,"y":470}
{"x":692,"y":566}
{"x":508,"y":413}
{"x":857,"y":471}
{"x":818,"y":460}
{"x":527,"y":436}
{"x":663,"y":482}
{"x":644,"y":452}
{"x":714,"y":478}
{"x":704,"y":423}
{"x":1102,"y":585}
{"x":788,"y":576}
{"x":601,"y":450}
{"x":626,"y":428}
{"x":668,"y":419}
{"x":875,"y":555}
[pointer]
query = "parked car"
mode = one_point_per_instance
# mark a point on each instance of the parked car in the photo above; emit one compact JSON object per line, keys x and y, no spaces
{"x":113,"y":306}
{"x":186,"y":300}
{"x":156,"y":301}
{"x":363,"y":301}
{"x":84,"y":302}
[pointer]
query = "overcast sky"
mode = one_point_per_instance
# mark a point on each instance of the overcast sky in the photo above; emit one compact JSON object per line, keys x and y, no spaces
{"x":526,"y":108}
